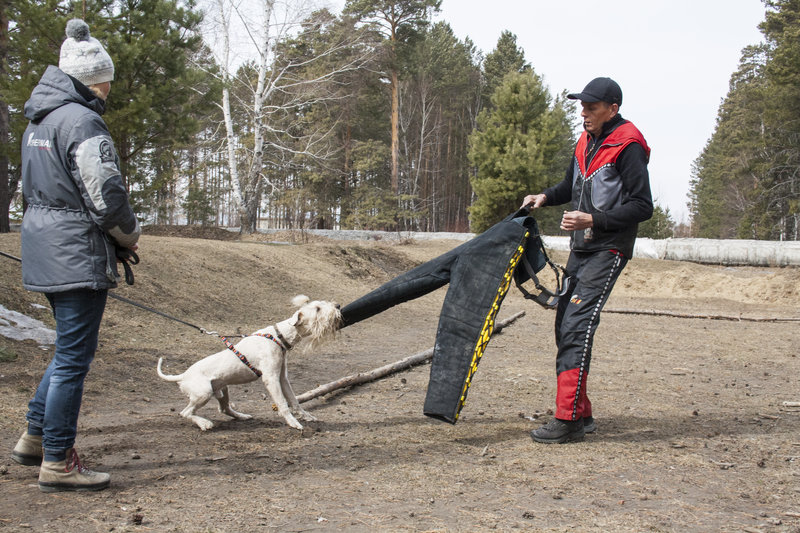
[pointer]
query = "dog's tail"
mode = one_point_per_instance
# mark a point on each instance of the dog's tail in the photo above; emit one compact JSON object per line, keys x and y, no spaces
{"x":166,"y":377}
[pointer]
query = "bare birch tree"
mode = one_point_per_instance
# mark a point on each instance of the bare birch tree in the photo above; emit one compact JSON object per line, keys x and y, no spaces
{"x":285,"y":85}
{"x":417,"y":104}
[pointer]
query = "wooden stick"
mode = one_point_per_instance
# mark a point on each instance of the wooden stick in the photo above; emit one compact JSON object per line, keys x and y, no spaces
{"x":392,"y":368}
{"x":708,"y":317}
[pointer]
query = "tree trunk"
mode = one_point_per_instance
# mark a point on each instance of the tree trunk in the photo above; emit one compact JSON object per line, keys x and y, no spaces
{"x":5,"y":196}
{"x":395,"y":133}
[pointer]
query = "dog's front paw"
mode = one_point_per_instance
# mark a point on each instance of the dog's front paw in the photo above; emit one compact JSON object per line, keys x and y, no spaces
{"x":295,"y":424}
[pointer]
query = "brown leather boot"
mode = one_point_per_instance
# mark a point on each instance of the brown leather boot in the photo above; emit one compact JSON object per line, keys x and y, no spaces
{"x":70,"y":474}
{"x":28,"y":450}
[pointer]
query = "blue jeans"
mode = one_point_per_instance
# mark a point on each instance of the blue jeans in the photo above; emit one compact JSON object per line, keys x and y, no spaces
{"x":53,"y":411}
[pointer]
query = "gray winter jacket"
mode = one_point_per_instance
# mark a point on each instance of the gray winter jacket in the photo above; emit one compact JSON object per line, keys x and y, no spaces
{"x":77,"y":206}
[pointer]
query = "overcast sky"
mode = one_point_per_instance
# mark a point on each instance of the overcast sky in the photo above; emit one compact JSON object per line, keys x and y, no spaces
{"x":672,"y":58}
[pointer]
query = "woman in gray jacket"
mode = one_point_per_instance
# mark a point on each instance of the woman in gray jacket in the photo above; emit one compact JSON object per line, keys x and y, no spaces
{"x":77,"y":214}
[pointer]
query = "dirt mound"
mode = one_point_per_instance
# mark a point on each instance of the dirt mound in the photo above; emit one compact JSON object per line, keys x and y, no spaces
{"x":696,"y":429}
{"x":192,"y":232}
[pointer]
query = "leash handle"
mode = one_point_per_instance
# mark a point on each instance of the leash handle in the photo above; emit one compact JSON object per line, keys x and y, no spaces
{"x":127,"y":257}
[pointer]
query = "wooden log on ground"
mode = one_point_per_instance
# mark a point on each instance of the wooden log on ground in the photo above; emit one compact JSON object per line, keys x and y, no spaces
{"x":386,"y":370}
{"x":653,"y":312}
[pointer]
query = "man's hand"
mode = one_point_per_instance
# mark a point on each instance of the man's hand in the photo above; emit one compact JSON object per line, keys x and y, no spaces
{"x":576,"y":220}
{"x":534,"y":200}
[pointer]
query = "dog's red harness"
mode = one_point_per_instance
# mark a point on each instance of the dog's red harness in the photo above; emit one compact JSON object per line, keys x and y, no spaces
{"x":241,"y":356}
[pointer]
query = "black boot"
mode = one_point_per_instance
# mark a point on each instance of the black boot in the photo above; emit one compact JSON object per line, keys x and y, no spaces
{"x":559,"y":431}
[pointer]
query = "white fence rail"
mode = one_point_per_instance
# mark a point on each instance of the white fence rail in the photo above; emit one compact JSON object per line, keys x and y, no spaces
{"x":710,"y":251}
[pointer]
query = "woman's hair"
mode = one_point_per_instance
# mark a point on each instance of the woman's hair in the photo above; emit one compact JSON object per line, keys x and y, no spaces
{"x":97,"y":92}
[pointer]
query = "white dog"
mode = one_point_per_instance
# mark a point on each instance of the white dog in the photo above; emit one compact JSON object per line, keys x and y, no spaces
{"x":261,"y":354}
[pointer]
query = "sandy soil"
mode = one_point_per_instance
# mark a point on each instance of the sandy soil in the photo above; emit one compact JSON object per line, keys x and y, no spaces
{"x":696,"y":431}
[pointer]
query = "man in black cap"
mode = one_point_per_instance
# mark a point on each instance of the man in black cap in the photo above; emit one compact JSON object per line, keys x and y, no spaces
{"x":608,"y":186}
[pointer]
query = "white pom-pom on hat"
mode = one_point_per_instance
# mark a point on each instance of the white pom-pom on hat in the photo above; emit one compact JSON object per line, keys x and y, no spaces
{"x":83,"y":57}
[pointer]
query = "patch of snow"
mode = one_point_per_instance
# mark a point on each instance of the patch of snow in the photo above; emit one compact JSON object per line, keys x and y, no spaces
{"x":20,"y":327}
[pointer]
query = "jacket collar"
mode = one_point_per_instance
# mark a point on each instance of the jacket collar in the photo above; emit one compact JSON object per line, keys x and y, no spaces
{"x":95,"y":102}
{"x":609,"y":126}
{"x":56,"y":89}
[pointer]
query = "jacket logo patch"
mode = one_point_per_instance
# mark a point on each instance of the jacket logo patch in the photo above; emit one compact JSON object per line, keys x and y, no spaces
{"x":575,"y":299}
{"x":106,"y":152}
{"x":39,"y":143}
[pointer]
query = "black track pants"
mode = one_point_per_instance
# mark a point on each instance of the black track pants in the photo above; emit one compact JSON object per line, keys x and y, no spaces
{"x":577,"y":318}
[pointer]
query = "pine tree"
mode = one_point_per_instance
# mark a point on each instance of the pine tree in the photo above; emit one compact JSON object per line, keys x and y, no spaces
{"x":745,"y":182}
{"x":506,"y":57}
{"x":439,"y":105}
{"x":515,"y":147}
{"x":346,"y":109}
{"x":659,"y":226}
{"x":780,"y":198}
{"x":401,"y":20}
{"x":25,"y":53}
{"x":157,"y":95}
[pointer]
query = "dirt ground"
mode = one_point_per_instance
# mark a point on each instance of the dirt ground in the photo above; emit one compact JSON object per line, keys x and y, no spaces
{"x":696,"y":426}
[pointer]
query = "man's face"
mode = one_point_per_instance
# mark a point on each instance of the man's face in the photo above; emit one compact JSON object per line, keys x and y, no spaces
{"x":595,"y":114}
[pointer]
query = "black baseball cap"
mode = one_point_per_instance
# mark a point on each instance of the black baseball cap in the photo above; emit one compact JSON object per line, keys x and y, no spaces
{"x":599,"y":90}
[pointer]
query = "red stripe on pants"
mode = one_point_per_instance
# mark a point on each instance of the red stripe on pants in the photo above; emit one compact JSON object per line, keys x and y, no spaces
{"x":572,"y":403}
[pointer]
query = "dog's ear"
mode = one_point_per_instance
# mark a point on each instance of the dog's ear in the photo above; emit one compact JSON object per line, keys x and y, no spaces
{"x":300,"y":300}
{"x":296,"y":319}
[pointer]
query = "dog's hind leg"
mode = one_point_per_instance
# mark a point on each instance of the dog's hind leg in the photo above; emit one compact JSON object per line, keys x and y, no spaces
{"x":202,"y":423}
{"x":226,"y":406}
{"x":288,"y":393}
{"x":198,"y":397}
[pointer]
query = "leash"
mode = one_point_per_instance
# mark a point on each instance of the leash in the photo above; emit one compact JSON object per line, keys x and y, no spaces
{"x":165,"y":315}
{"x":10,"y":256}
{"x":546,"y":298}
{"x":129,"y":256}
{"x":134,"y":259}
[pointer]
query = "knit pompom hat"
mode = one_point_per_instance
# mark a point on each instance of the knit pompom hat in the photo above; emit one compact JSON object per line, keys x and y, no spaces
{"x":83,"y":57}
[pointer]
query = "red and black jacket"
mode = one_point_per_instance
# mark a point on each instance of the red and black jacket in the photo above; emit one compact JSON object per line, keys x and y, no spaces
{"x":608,"y":178}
